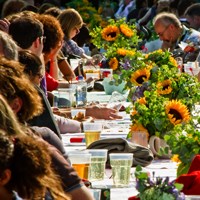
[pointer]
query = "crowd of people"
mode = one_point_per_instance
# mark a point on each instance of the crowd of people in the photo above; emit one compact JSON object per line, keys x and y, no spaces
{"x":35,"y":42}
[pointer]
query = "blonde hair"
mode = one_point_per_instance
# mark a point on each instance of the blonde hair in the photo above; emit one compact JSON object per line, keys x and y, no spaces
{"x":69,"y":19}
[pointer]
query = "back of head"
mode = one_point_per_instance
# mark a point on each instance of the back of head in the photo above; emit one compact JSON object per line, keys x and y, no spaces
{"x":52,"y":31}
{"x":25,"y":30}
{"x":193,"y":10}
{"x":44,"y":7}
{"x":32,"y":63}
{"x":8,"y":47}
{"x":29,"y":163}
{"x":9,"y":122}
{"x":14,"y":83}
{"x":30,"y":8}
{"x":183,"y":5}
{"x":53,"y":11}
{"x":70,"y":18}
{"x":11,"y":7}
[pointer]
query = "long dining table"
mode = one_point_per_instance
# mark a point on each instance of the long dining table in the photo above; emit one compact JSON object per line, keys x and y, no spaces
{"x":118,"y":128}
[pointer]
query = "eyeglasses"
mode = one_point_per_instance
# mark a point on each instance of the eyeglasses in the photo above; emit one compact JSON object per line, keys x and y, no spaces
{"x":40,"y":75}
{"x":42,"y":39}
{"x":163,"y":32}
{"x":76,"y":29}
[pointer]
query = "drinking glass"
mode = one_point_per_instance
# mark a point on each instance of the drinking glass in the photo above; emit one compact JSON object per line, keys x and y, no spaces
{"x":80,"y":162}
{"x":92,"y":132}
{"x":97,"y":165}
{"x":116,"y":101}
{"x":121,"y":168}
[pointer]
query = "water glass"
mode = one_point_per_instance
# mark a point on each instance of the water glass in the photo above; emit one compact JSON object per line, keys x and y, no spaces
{"x":97,"y":165}
{"x":121,"y":168}
{"x":116,"y":101}
{"x":80,"y":162}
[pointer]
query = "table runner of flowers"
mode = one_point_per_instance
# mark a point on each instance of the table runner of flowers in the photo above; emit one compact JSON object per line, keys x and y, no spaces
{"x":163,"y":99}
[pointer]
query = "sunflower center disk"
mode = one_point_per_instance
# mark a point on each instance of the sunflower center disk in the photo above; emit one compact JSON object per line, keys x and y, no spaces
{"x":112,"y":34}
{"x":141,"y":79}
{"x":176,"y":114}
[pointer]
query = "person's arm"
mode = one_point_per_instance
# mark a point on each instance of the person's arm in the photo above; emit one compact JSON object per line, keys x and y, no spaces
{"x":66,"y":70}
{"x":101,"y":112}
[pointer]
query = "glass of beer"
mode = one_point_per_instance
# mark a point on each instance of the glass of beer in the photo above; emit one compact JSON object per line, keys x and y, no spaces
{"x":121,"y":168}
{"x":97,"y":165}
{"x":92,"y":131}
{"x":80,"y":162}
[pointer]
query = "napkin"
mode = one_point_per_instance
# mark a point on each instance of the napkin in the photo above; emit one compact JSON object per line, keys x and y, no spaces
{"x":191,"y":180}
{"x":141,"y":155}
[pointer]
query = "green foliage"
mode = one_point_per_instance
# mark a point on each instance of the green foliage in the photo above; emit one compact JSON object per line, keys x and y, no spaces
{"x":159,"y":188}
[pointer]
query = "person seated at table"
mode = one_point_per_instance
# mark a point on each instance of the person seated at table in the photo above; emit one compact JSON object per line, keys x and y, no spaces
{"x":125,"y":7}
{"x":58,"y":124}
{"x":26,"y":169}
{"x":71,"y":22}
{"x":26,"y":103}
{"x":192,"y":15}
{"x":172,"y":32}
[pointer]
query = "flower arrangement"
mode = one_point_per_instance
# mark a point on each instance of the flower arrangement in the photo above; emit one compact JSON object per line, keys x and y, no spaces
{"x":159,"y":188}
{"x":163,"y":99}
{"x":164,"y":103}
{"x":119,"y":39}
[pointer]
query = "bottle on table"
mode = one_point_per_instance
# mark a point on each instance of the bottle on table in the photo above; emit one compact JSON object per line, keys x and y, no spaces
{"x":81,"y":92}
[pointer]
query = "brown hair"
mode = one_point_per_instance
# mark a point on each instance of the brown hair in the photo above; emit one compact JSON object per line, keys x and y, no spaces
{"x":14,"y":83}
{"x":52,"y":31}
{"x":30,"y":165}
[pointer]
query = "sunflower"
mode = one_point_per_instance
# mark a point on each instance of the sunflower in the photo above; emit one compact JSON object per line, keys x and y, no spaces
{"x":177,"y":112}
{"x":175,"y":158}
{"x":173,"y":61}
{"x":121,"y":52}
{"x":164,"y":87}
{"x":134,"y":112}
{"x":110,"y":33}
{"x":142,"y":100}
{"x":140,"y":76}
{"x":113,"y":63}
{"x":126,"y":30}
{"x":138,"y":127}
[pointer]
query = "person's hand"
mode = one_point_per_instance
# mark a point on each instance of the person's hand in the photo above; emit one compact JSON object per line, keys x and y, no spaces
{"x":99,"y":112}
{"x":4,"y":25}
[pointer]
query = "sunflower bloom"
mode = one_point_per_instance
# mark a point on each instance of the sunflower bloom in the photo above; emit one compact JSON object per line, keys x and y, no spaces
{"x":142,"y":100}
{"x":173,"y":61}
{"x":126,"y":30}
{"x":110,"y":33}
{"x":175,"y":158}
{"x":140,"y":76}
{"x":134,"y":112}
{"x":138,"y":127}
{"x":121,"y":51}
{"x":130,"y":53}
{"x":113,"y":63}
{"x":177,"y":112}
{"x":164,"y":87}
